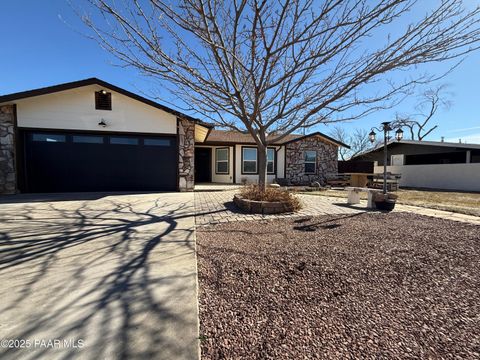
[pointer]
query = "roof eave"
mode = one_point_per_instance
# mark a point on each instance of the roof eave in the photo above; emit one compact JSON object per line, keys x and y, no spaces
{"x":336,"y":142}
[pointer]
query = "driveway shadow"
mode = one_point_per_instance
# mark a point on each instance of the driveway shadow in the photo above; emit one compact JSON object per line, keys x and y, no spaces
{"x":54,"y":197}
{"x":116,"y":277}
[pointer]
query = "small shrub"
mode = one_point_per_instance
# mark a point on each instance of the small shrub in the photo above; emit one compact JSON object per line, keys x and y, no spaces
{"x":253,"y":192}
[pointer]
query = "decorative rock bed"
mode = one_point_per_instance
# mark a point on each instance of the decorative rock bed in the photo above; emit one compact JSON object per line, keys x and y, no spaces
{"x":262,"y":207}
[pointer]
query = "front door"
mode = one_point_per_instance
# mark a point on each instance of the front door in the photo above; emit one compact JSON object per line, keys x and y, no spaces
{"x":203,"y":165}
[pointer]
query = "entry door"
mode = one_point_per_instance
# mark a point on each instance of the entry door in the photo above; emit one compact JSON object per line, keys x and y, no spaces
{"x":203,"y":165}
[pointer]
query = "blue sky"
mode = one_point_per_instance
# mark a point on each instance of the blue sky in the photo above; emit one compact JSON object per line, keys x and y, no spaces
{"x":39,"y":49}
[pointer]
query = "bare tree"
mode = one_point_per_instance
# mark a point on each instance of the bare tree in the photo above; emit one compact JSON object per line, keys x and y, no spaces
{"x":358,"y":141}
{"x":274,"y":67}
{"x":429,"y":103}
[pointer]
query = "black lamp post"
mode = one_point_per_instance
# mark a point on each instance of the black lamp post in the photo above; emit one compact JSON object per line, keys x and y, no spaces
{"x":386,"y":127}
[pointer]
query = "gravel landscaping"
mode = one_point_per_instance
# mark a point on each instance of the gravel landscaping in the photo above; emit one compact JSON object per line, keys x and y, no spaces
{"x":368,"y":285}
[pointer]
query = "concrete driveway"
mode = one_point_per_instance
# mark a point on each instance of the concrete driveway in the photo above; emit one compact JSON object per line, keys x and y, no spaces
{"x":92,"y":276}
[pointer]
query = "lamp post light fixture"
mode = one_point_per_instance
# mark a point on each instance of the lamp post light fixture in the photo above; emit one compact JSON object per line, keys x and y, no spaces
{"x":386,"y":127}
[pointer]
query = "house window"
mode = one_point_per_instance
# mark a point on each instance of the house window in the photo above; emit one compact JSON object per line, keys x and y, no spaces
{"x":48,"y":137}
{"x":271,"y":161}
{"x":310,"y":160}
{"x":249,"y":160}
{"x":123,"y":141}
{"x":87,"y":139}
{"x":103,"y":100}
{"x":221,"y":161}
{"x":156,"y":142}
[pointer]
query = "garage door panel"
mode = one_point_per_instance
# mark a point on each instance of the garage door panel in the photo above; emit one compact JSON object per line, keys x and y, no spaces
{"x":92,"y":162}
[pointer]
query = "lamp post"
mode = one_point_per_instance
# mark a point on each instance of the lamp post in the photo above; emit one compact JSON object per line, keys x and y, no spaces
{"x":386,"y":127}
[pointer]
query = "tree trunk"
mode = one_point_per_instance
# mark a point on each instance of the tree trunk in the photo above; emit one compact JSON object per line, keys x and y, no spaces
{"x":262,"y":167}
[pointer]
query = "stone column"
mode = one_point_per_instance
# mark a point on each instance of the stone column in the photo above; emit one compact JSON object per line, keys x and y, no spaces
{"x":8,"y":177}
{"x":186,"y":151}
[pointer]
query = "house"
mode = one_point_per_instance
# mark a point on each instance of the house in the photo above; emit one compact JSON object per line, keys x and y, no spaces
{"x":231,"y":157}
{"x":90,"y":135}
{"x":430,"y":164}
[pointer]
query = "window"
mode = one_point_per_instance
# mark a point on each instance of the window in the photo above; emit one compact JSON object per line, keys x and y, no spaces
{"x":249,"y":160}
{"x":156,"y":142}
{"x":123,"y":141}
{"x":221,"y":161}
{"x":103,"y":100}
{"x":271,"y":161}
{"x":48,"y":137}
{"x":310,"y":162}
{"x":86,"y":139}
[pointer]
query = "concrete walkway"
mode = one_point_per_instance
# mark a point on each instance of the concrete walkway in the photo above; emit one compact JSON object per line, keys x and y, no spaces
{"x":99,"y":277}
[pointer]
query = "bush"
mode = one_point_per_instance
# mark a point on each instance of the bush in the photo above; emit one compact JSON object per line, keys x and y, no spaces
{"x":253,"y":192}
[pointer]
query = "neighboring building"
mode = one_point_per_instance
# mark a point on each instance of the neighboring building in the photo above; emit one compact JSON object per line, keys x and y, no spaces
{"x":412,"y":152}
{"x":90,"y":135}
{"x":430,"y":164}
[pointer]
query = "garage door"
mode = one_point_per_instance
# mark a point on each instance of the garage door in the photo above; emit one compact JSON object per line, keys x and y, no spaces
{"x":64,"y":162}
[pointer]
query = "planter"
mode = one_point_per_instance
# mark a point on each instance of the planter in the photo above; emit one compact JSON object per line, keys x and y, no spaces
{"x":385,"y":202}
{"x":262,"y":207}
{"x":385,"y":205}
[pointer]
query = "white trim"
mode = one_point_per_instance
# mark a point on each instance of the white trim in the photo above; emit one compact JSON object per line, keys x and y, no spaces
{"x":227,"y":160}
{"x":309,"y":162}
{"x":243,"y":160}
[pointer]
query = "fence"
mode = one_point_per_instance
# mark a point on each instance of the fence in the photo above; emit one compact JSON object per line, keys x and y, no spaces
{"x":355,"y":167}
{"x":465,"y":177}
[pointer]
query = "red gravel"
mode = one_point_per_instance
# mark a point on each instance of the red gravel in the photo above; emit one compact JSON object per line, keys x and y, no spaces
{"x":359,"y":286}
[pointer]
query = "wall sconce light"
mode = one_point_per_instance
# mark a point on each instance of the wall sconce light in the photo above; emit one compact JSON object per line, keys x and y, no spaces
{"x":103,"y":92}
{"x":102,"y":123}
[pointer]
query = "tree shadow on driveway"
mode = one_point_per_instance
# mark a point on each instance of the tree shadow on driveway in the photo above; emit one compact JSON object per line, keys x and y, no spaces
{"x":117,"y":275}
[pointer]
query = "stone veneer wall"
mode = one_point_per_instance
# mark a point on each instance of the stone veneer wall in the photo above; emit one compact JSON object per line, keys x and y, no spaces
{"x":186,"y":149}
{"x":327,"y":160}
{"x":7,"y":150}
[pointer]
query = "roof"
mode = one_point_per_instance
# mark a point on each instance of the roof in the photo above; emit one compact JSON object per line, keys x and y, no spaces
{"x":236,"y":137}
{"x":422,"y":143}
{"x":95,"y":81}
{"x":439,"y":143}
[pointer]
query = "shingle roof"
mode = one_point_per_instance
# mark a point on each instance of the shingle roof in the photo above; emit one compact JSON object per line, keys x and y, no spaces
{"x":230,"y":136}
{"x":235,"y":137}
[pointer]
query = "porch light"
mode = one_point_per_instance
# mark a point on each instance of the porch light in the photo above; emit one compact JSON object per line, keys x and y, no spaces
{"x":103,"y":92}
{"x":102,"y":123}
{"x":399,"y":134}
{"x":371,"y":136}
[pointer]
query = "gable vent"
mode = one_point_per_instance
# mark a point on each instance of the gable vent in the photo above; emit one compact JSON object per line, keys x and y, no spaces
{"x":103,"y":100}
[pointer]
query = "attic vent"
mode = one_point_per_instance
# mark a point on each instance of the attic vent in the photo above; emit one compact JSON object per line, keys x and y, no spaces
{"x":103,"y":100}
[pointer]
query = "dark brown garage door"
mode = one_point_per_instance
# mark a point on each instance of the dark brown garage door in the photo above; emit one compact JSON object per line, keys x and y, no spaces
{"x":65,"y":162}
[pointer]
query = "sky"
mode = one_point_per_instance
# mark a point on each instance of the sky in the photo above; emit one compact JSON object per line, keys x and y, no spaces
{"x":43,"y":44}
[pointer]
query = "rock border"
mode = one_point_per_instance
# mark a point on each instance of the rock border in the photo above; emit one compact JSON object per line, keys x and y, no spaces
{"x":262,"y":207}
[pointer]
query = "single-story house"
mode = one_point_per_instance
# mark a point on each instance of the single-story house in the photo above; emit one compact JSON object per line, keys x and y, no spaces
{"x":429,"y":164}
{"x":90,"y":135}
{"x":414,"y":152}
